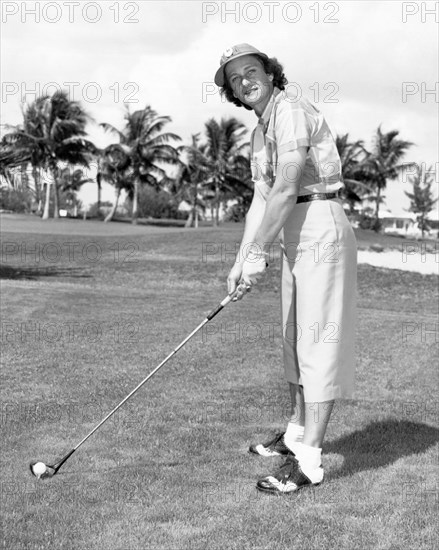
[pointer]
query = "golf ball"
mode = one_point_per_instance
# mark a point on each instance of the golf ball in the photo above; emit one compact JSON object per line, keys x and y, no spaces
{"x":39,"y":468}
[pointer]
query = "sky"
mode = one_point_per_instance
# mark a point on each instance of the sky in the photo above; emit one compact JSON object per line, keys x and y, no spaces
{"x":363,"y":63}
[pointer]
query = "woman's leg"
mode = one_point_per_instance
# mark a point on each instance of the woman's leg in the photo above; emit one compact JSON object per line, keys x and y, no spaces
{"x":312,"y":417}
{"x":295,"y":426}
{"x":317,"y":416}
{"x":297,"y":405}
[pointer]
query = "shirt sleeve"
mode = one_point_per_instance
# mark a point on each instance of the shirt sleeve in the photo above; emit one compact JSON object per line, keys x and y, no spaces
{"x":293,"y":125}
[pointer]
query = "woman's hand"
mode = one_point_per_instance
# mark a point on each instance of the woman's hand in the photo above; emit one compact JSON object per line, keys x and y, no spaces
{"x":233,"y":285}
{"x":254,"y":265}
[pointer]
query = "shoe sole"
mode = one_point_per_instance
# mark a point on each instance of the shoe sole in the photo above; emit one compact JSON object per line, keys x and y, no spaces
{"x":281,"y":494}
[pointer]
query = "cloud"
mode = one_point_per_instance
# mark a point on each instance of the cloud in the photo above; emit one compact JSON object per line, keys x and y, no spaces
{"x":102,"y":28}
{"x":361,"y":51}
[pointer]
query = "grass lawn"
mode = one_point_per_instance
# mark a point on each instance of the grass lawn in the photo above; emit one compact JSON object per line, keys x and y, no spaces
{"x":89,"y":309}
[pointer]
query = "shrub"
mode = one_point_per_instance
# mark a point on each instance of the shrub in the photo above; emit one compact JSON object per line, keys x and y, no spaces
{"x":17,"y":200}
{"x":235,"y":213}
{"x":93,"y":211}
{"x":155,"y":203}
{"x":368,"y":222}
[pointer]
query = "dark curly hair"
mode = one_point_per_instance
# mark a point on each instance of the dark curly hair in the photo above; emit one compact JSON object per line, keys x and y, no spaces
{"x":271,"y":66}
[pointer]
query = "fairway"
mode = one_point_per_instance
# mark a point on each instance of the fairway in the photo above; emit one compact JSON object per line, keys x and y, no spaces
{"x":88,"y":309}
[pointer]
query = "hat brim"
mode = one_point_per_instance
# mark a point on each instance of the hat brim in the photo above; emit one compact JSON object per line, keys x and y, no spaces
{"x":219,"y":75}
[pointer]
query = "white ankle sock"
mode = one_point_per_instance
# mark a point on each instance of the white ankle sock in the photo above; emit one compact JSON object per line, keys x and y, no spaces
{"x":310,"y":460}
{"x":293,"y":434}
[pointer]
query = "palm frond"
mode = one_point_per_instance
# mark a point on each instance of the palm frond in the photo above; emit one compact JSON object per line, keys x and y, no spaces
{"x":112,"y":129}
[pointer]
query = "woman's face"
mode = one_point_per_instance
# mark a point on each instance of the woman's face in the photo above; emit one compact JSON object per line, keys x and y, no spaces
{"x":249,"y":82}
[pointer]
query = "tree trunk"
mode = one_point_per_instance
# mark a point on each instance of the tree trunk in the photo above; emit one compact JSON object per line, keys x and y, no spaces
{"x":190,"y":219}
{"x":377,"y":210}
{"x":193,"y":215}
{"x":113,"y":210}
{"x":38,"y":189}
{"x":47,"y":202}
{"x":196,"y":206}
{"x":55,"y":201}
{"x":135,"y":202}
{"x":24,"y":180}
{"x":98,"y":181}
{"x":54,"y":171}
{"x":216,"y":219}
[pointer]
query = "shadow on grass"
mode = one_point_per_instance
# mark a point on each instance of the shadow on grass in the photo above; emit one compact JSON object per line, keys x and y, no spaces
{"x":35,"y":273}
{"x":381,"y":443}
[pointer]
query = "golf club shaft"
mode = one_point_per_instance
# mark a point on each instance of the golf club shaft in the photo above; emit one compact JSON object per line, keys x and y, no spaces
{"x":210,"y":316}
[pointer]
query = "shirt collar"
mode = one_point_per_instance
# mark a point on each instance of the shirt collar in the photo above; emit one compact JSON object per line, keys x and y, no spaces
{"x":265,"y":117}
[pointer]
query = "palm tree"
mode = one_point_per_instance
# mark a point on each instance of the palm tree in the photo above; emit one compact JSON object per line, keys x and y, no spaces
{"x":70,"y":183}
{"x":239,"y":183}
{"x":192,"y":176}
{"x":422,"y":200}
{"x":222,"y":148}
{"x":31,"y":151}
{"x":352,"y":155}
{"x":115,"y":167}
{"x":383,"y":163}
{"x":99,"y":186}
{"x":147,"y":147}
{"x":11,"y":156}
{"x":53,"y":130}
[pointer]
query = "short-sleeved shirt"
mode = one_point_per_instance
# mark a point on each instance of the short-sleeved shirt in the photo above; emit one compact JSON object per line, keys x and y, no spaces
{"x":289,"y":122}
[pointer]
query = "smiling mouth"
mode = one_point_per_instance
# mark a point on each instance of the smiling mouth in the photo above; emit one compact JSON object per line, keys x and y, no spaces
{"x":252,"y":94}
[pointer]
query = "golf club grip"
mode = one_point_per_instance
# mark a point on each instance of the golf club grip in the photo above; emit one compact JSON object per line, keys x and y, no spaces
{"x":219,"y":307}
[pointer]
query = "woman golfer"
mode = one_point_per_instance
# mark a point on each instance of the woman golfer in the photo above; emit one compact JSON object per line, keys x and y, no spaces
{"x":297,"y":176}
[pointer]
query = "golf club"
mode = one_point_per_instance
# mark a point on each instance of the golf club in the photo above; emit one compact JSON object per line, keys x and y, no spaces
{"x":42,"y":470}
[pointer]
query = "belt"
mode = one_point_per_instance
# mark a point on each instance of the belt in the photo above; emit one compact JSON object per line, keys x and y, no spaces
{"x":317,"y":197}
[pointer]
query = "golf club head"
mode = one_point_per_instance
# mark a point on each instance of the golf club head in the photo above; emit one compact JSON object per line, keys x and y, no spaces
{"x":37,"y":470}
{"x":41,"y":470}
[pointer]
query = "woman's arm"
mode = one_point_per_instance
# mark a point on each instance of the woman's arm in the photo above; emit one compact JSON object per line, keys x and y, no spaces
{"x":282,"y":197}
{"x":253,"y":221}
{"x":265,"y":219}
{"x":279,"y":205}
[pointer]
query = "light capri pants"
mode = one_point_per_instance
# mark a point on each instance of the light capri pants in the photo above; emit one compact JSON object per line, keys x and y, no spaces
{"x":318,"y":299}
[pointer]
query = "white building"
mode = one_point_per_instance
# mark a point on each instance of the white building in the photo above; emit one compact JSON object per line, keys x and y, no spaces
{"x":404,"y":223}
